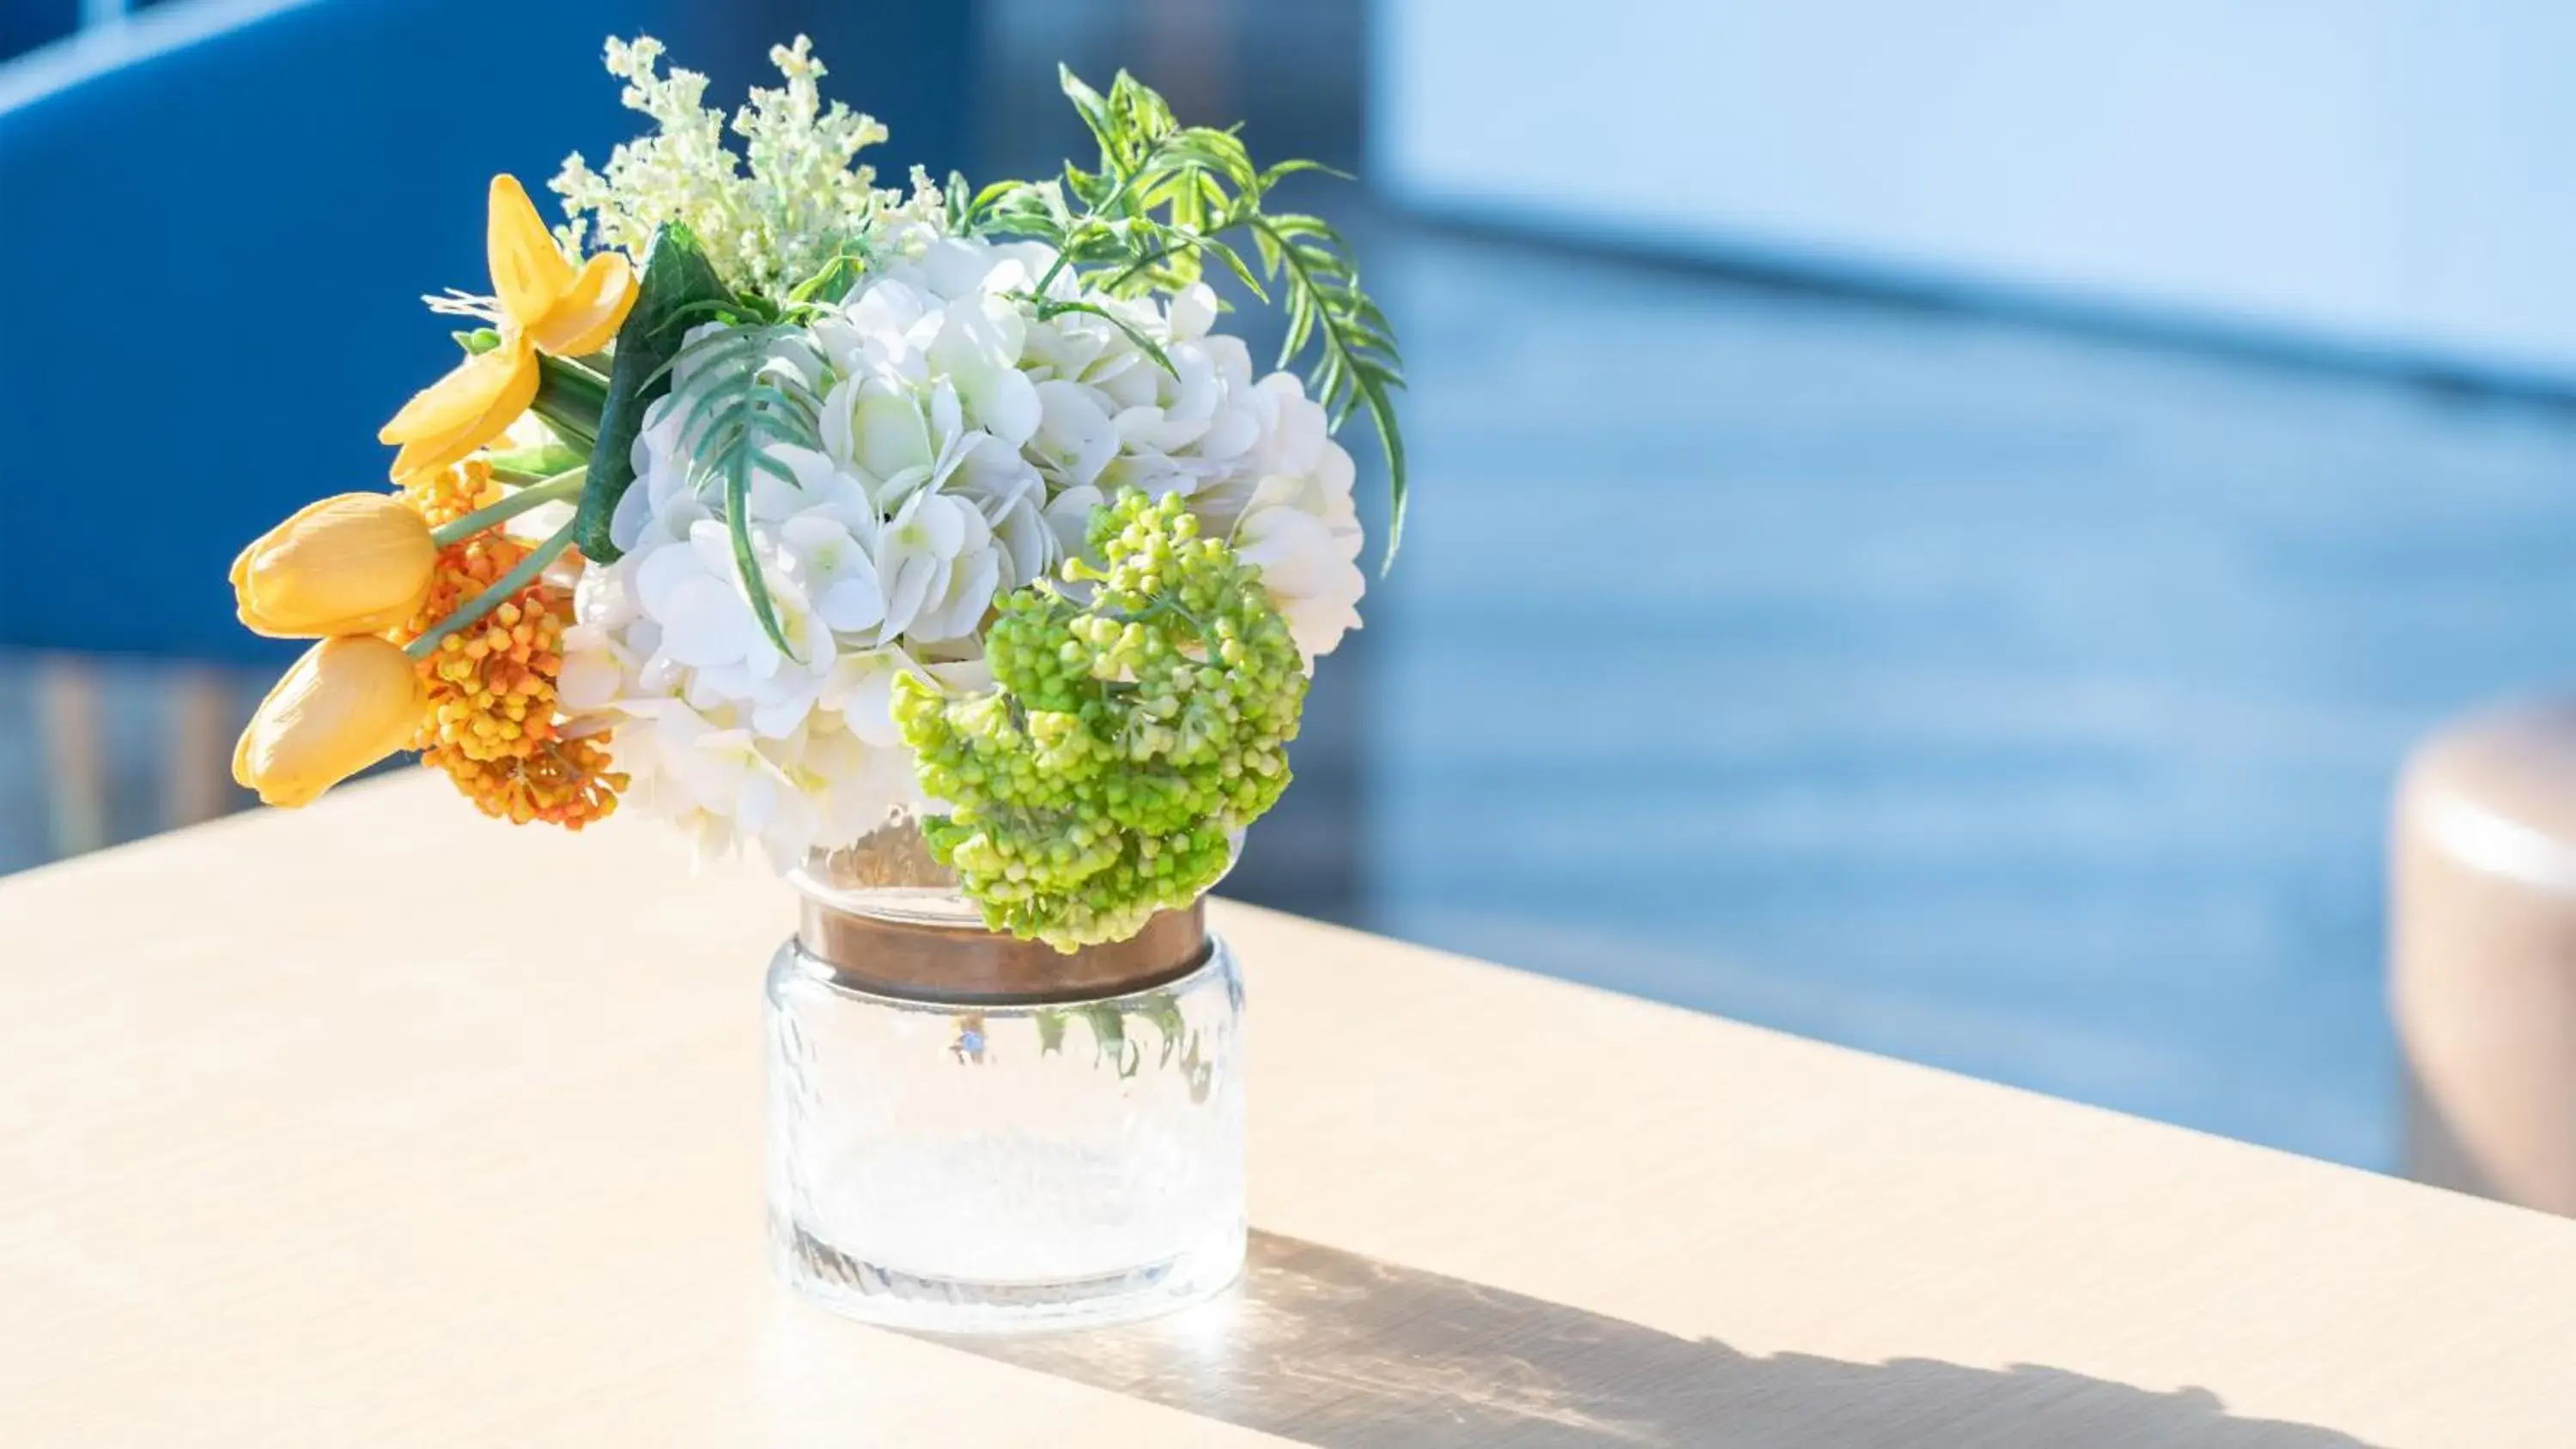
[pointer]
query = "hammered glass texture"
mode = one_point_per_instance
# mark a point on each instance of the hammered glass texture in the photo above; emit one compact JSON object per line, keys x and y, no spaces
{"x":995,"y":1168}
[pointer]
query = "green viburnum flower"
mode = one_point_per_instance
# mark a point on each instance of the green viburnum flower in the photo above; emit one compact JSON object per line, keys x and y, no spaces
{"x":1127,"y":738}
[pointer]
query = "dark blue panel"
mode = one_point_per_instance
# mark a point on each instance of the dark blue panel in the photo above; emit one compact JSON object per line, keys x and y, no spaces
{"x":214,"y":260}
{"x":26,"y":24}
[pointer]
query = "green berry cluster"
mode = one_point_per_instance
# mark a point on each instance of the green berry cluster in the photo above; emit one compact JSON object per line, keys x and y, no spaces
{"x":1128,"y":735}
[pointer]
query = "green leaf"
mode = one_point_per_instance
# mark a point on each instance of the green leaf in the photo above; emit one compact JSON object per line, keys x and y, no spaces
{"x":571,"y":399}
{"x":530,"y":465}
{"x":1356,"y":363}
{"x":679,"y":284}
{"x":1155,"y":210}
{"x":1089,"y":104}
{"x":1135,"y":334}
{"x":735,"y":408}
{"x":737,"y":485}
{"x":833,"y":281}
{"x":1234,"y":263}
{"x":1271,"y":177}
{"x":1381,"y":409}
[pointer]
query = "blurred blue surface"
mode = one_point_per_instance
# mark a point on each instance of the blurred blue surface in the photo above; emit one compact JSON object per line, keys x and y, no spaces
{"x":2016,"y":702}
{"x":215,"y":257}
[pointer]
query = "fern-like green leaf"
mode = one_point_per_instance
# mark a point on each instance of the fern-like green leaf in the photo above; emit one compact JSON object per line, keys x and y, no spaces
{"x":1156,"y":210}
{"x":734,"y":407}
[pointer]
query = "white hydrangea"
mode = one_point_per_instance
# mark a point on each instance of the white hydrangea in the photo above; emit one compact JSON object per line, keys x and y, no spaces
{"x":961,"y":447}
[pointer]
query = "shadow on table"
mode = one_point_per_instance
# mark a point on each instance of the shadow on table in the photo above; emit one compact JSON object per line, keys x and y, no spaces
{"x":1331,"y":1349}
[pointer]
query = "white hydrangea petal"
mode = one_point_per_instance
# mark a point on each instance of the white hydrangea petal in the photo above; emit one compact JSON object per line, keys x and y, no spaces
{"x":910,"y":576}
{"x":887,"y":308}
{"x":1070,"y":516}
{"x":633,"y":514}
{"x":1193,"y":312}
{"x":945,"y":415}
{"x":867,"y":705}
{"x":658,"y":573}
{"x":1334,"y":472}
{"x":891,"y":435}
{"x":1293,"y":550}
{"x":711,"y":544}
{"x":1233,"y":360}
{"x":1314,"y":586}
{"x":1005,"y":403}
{"x":853,"y":603}
{"x":932,"y":524}
{"x":1025,"y":540}
{"x":811,"y":472}
{"x":1075,"y":437}
{"x":705,"y":623}
{"x":590,"y":679}
{"x":970,"y":592}
{"x":954,"y":267}
{"x":1231,"y":433}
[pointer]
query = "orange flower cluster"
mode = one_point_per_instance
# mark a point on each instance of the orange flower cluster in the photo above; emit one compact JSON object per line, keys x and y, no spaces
{"x":491,"y":718}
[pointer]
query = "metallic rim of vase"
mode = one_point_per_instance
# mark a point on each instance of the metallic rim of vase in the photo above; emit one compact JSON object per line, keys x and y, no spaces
{"x":948,"y":966}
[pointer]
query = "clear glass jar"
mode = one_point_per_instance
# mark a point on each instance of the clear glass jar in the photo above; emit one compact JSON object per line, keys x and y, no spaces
{"x":969,"y":1133}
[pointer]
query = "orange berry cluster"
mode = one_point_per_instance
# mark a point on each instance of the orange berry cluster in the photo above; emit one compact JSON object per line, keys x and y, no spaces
{"x":491,"y":721}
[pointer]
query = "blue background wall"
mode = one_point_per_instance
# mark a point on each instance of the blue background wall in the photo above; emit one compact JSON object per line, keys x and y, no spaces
{"x":215,"y":258}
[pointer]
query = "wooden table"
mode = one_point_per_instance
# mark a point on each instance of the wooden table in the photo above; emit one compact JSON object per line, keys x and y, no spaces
{"x":383,"y":1125}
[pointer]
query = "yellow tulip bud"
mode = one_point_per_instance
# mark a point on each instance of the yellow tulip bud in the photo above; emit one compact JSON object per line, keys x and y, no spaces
{"x":346,"y":704}
{"x":359,"y":563}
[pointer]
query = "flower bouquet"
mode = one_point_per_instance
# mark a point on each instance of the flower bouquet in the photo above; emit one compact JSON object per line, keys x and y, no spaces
{"x":937,"y":543}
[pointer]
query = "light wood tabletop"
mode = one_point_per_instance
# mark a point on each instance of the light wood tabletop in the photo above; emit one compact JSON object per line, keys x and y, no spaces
{"x":382,"y":1125}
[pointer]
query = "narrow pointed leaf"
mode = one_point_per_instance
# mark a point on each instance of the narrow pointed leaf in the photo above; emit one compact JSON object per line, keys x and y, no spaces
{"x":738,"y":526}
{"x":677,"y":279}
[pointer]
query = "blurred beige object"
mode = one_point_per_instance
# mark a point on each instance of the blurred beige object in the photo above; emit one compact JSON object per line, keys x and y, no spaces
{"x":74,"y":695}
{"x":203,"y":721}
{"x":2482,"y":941}
{"x":70,"y":728}
{"x":381,"y":1124}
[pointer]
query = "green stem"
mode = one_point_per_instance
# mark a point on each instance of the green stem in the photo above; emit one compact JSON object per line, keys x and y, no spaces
{"x":1138,"y":268}
{"x":473,"y":609}
{"x":571,"y":398}
{"x":1054,"y":269}
{"x":560,"y":486}
{"x":585,"y":366}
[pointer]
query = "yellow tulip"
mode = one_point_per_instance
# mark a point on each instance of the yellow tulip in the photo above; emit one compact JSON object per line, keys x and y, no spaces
{"x":547,"y":305}
{"x":359,"y":563}
{"x":346,"y":704}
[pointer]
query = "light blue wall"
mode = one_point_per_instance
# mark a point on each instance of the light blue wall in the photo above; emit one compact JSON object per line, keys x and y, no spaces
{"x":2388,"y":174}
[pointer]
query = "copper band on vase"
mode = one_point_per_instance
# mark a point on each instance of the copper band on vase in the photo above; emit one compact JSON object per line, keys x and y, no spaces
{"x":970,"y":967}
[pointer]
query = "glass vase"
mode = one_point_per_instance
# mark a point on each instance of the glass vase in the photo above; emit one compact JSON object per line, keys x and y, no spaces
{"x":971,"y":1133}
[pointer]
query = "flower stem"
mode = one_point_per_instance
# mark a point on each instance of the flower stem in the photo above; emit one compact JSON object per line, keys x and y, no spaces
{"x":485,"y":602}
{"x":571,"y":398}
{"x":560,"y":486}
